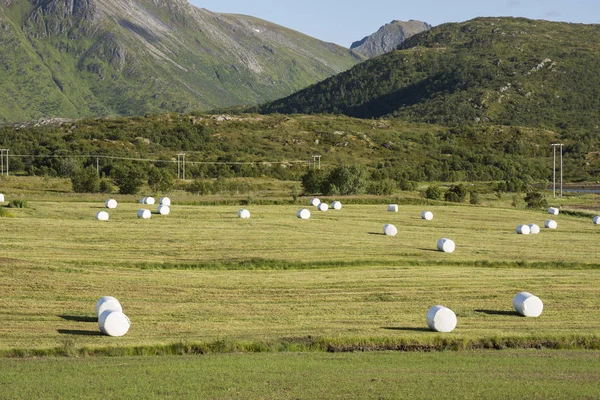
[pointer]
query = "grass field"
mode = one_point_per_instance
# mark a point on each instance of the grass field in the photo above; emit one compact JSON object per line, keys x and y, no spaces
{"x":202,"y":281}
{"x":507,"y":374}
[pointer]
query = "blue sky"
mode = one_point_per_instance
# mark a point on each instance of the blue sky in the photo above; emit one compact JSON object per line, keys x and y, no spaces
{"x":343,"y":22}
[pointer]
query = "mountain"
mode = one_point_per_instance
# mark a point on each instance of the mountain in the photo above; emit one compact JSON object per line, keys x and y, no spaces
{"x":388,"y":37}
{"x":504,"y":71}
{"x":74,"y":58}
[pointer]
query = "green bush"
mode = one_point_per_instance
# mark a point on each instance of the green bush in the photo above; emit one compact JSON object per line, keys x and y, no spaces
{"x":85,"y":180}
{"x":129,"y":179}
{"x":199,"y":187}
{"x":346,"y":180}
{"x":105,"y":186}
{"x":433,"y":193}
{"x":313,"y":181}
{"x":536,"y":199}
{"x":456,"y":193}
{"x":18,"y":204}
{"x":384,"y":187}
{"x":474,"y":197}
{"x":160,"y":180}
{"x":5,"y":213}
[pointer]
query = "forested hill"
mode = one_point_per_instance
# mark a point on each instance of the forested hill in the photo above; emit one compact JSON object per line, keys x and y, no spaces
{"x":504,"y":71}
{"x":77,"y":58}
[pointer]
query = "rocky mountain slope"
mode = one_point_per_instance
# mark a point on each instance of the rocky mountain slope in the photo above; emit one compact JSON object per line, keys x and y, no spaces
{"x":73,"y":58}
{"x":388,"y":37}
{"x":503,"y":71}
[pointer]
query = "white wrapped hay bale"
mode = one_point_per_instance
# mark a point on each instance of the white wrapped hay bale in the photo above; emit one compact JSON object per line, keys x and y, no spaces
{"x":111,"y":204}
{"x":523,"y":230}
{"x":303,"y":214}
{"x":596,"y":220}
{"x":336,"y":205}
{"x":550,"y":224}
{"x":441,"y":319}
{"x":107,"y":303}
{"x":534,"y":229}
{"x":102,"y":216}
{"x":393,"y":207}
{"x":1,"y":198}
{"x":244,"y":214}
{"x":390,"y":230}
{"x":323,"y":207}
{"x":143,"y":200}
{"x":164,"y":210}
{"x":315,"y":202}
{"x":113,"y":323}
{"x":553,"y":211}
{"x":528,"y":305}
{"x":150,"y":201}
{"x":164,"y":201}
{"x":446,"y":245}
{"x":144,"y":213}
{"x":427,"y":215}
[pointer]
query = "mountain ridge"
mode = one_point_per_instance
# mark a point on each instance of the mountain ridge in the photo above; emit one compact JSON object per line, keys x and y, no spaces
{"x":76,"y":58}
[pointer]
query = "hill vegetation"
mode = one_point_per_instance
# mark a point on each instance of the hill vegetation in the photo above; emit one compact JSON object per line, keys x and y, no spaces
{"x":91,"y":58}
{"x":487,"y":71}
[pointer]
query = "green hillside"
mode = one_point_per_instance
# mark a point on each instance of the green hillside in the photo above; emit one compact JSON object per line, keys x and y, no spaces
{"x":501,"y":71}
{"x":112,"y":57}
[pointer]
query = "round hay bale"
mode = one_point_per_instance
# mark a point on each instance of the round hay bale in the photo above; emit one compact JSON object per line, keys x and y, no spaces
{"x":144,"y":213}
{"x":111,"y":203}
{"x":102,"y":216}
{"x":107,"y":303}
{"x":303,"y":214}
{"x":441,"y":319}
{"x":523,"y":230}
{"x":427,"y":215}
{"x":528,"y":305}
{"x":596,"y":220}
{"x":446,"y":245}
{"x":336,"y":205}
{"x":113,"y":323}
{"x":390,"y":230}
{"x":103,"y":300}
{"x":164,"y":201}
{"x":323,"y":207}
{"x":534,"y":229}
{"x":244,"y":214}
{"x":550,"y":224}
{"x":164,"y":210}
{"x":553,"y":211}
{"x":143,"y":200}
{"x":150,"y":201}
{"x":1,"y":198}
{"x":393,"y":207}
{"x":315,"y":202}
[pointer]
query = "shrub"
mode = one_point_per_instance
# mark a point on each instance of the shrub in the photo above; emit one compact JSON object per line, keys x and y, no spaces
{"x":105,"y":186}
{"x":160,"y":180}
{"x":18,"y":204}
{"x":535,"y":199}
{"x":433,"y":192}
{"x":474,"y":197}
{"x":85,"y":180}
{"x":129,"y":179}
{"x":385,"y":187}
{"x":456,"y":193}
{"x":199,"y":187}
{"x":5,"y":213}
{"x":346,"y":180}
{"x":313,"y":181}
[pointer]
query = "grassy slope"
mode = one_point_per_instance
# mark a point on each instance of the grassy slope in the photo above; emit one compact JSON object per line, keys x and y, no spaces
{"x":468,"y":375}
{"x":490,"y":69}
{"x":83,"y":70}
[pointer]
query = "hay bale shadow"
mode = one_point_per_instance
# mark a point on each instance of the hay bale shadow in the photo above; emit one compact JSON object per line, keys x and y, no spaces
{"x":78,"y":318}
{"x":79,"y":332}
{"x":406,"y":328}
{"x":499,"y":312}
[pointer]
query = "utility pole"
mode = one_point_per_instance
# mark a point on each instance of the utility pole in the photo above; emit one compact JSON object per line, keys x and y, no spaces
{"x":554,"y":169}
{"x":315,"y":158}
{"x":181,"y":166}
{"x":97,"y":166}
{"x":4,"y":162}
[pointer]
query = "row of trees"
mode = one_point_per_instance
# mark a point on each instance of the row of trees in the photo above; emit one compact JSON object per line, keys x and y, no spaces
{"x":128,"y":178}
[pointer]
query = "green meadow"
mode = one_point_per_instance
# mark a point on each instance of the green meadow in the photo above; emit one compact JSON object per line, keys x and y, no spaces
{"x":207,"y":291}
